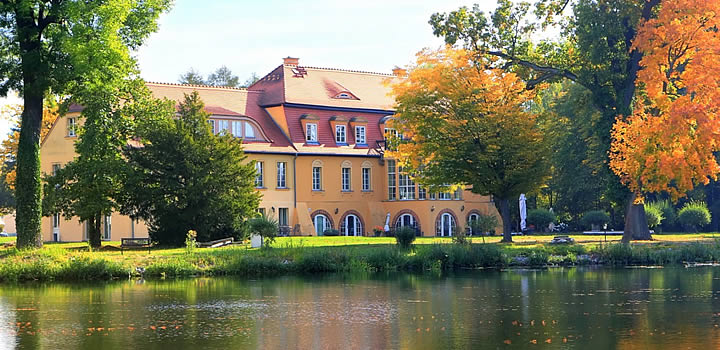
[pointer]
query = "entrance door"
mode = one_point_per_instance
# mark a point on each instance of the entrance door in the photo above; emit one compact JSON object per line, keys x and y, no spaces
{"x":321,"y":224}
{"x":56,"y":227}
{"x":353,"y":226}
{"x":107,"y":228}
{"x":446,"y":225}
{"x":472,"y":219}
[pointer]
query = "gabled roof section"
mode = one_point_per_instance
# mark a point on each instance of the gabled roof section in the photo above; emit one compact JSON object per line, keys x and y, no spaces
{"x":326,"y":86}
{"x":272,"y":87}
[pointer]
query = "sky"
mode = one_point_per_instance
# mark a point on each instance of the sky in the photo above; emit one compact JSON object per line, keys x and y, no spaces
{"x":251,"y":36}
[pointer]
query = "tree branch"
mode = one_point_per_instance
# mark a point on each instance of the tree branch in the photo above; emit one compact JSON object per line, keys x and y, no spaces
{"x":546,"y":72}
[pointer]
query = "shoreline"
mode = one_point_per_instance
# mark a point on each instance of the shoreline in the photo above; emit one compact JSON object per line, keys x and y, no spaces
{"x":57,"y":264}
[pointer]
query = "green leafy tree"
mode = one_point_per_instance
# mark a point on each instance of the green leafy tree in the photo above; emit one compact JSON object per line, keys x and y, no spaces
{"x":58,"y":46}
{"x":185,"y":178}
{"x":250,"y":80}
{"x":223,"y":77}
{"x":91,"y":186}
{"x":464,"y":123}
{"x":192,"y":77}
{"x":594,"y":51}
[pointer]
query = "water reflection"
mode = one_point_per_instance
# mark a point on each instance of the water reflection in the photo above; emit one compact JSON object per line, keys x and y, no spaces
{"x":592,"y":308}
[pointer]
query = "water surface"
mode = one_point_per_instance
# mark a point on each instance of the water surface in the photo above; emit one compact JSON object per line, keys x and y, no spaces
{"x":670,"y":308}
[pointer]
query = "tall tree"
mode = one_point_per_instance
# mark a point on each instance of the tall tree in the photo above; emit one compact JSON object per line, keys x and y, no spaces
{"x":184,"y":177}
{"x":595,"y":51}
{"x":91,"y":186}
{"x":192,"y":77}
{"x":57,"y":46}
{"x":670,"y":142}
{"x":223,"y":77}
{"x":466,"y":123}
{"x":250,"y":80}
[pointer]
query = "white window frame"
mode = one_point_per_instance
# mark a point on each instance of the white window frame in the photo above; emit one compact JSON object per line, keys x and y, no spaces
{"x":71,"y":127}
{"x":317,"y":178}
{"x":212,"y":125}
{"x":107,"y":227}
{"x":345,"y":177}
{"x":399,"y":222}
{"x":311,"y":130}
{"x":283,"y":216}
{"x":248,"y":126}
{"x":366,"y":179}
{"x":341,"y":134}
{"x":357,"y":224}
{"x":440,"y":225}
{"x":281,"y":174}
{"x":422,"y":193}
{"x":223,"y":126}
{"x":259,"y":175}
{"x":406,"y":186}
{"x":392,"y":181}
{"x":360,"y":135}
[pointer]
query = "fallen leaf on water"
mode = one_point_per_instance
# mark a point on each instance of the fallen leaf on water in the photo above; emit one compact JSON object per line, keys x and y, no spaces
{"x":507,"y":341}
{"x":534,"y":341}
{"x":153,"y":327}
{"x":564,"y":340}
{"x":548,"y":340}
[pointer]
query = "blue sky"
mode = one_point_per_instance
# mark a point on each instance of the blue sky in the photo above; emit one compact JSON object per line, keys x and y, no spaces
{"x":253,"y":36}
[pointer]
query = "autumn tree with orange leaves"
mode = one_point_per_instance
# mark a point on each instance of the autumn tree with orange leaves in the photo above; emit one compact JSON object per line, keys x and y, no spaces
{"x":465,"y":123}
{"x":668,"y":143}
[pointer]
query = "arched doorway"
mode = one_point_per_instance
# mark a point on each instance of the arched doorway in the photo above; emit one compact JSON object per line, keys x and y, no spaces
{"x":322,"y":224}
{"x":471,"y":220}
{"x":445,"y":225}
{"x":351,"y":225}
{"x":407,"y":218}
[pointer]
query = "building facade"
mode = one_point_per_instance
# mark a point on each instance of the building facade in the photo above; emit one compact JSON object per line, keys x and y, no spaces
{"x":317,"y":137}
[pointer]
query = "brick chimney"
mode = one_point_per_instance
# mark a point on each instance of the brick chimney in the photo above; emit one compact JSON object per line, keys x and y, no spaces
{"x":399,"y":72}
{"x":292,"y":61}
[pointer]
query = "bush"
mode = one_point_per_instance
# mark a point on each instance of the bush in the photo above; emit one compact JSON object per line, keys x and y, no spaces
{"x":265,"y":227}
{"x":668,"y":213}
{"x":595,"y":218}
{"x":654,"y":215}
{"x":694,"y":215}
{"x":484,"y":223}
{"x":331,"y":232}
{"x":460,"y":237}
{"x":404,"y":236}
{"x":541,"y":218}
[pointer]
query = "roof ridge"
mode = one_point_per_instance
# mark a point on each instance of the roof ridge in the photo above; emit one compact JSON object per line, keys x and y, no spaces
{"x":198,"y":85}
{"x":342,"y":70}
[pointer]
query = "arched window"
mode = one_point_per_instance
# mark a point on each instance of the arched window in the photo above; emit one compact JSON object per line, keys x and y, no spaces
{"x":405,"y":220}
{"x":445,"y":225}
{"x":322,"y":223}
{"x":351,"y":226}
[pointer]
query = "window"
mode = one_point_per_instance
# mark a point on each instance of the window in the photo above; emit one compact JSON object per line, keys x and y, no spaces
{"x":71,"y":127}
{"x":360,"y":135}
{"x":249,"y":131}
{"x":236,"y":128}
{"x":56,"y":227}
{"x":107,"y":227}
{"x":390,"y":133}
{"x":283,"y":216}
{"x":444,"y":195}
{"x":317,"y":178}
{"x":55,"y":168}
{"x":322,"y":224}
{"x":212,"y":126}
{"x":311,"y":132}
{"x":223,"y":126}
{"x":259,"y":183}
{"x":340,"y":134}
{"x":432,"y":195}
{"x":366,"y":179}
{"x":281,"y":174}
{"x":351,"y":226}
{"x":406,"y":185}
{"x":458,"y":194}
{"x":391,"y":180}
{"x":422,"y":193}
{"x":345,"y":179}
{"x":445,"y":226}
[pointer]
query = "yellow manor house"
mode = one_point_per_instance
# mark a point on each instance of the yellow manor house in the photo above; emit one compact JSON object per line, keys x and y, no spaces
{"x":317,"y":136}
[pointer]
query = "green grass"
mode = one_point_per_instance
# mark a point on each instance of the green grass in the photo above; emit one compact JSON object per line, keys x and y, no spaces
{"x":73,"y":261}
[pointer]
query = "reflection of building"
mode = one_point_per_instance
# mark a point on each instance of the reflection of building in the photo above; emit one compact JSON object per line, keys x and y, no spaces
{"x":317,"y":136}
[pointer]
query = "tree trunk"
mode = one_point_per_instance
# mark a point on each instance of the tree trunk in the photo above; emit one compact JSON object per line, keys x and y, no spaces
{"x":503,"y":207}
{"x":28,"y":185}
{"x":94,"y":231}
{"x":636,"y":225}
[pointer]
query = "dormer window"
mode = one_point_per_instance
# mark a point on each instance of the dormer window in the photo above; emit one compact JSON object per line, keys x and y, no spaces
{"x":360,"y":135}
{"x":345,"y":96}
{"x":311,"y":132}
{"x":340,"y":134}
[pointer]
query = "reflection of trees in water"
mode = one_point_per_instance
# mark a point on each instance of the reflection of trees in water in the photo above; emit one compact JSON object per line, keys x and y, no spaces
{"x":593,"y":308}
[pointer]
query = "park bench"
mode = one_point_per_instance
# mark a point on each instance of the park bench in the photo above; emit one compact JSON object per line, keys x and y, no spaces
{"x":134,"y":243}
{"x":216,"y":243}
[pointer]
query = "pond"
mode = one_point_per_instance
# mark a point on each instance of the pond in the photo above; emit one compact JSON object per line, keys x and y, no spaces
{"x":668,"y":308}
